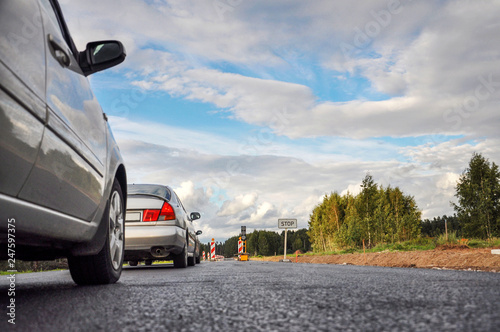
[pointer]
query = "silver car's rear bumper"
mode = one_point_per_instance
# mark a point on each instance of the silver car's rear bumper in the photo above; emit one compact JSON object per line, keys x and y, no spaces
{"x":140,"y":240}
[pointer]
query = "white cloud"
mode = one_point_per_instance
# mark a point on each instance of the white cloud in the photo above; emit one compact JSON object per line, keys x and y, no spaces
{"x":352,"y":189}
{"x":265,"y":188}
{"x":239,"y":204}
{"x":174,"y":137}
{"x":427,"y":173}
{"x":448,"y":182}
{"x":430,"y":59}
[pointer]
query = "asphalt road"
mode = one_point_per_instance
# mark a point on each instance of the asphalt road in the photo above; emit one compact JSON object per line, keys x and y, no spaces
{"x":258,"y":296}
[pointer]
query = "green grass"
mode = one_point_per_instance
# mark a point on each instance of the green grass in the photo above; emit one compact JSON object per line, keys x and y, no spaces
{"x":476,"y":243}
{"x":420,"y":244}
{"x":452,"y":238}
{"x":154,"y":263}
{"x":163,"y":262}
{"x":5,"y":273}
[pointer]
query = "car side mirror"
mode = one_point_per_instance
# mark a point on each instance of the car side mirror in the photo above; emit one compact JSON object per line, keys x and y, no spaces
{"x":195,"y":215}
{"x":100,"y":55}
{"x":198,"y":232}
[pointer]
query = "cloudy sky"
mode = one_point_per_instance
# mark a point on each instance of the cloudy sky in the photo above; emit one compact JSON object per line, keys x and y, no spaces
{"x":253,"y":110}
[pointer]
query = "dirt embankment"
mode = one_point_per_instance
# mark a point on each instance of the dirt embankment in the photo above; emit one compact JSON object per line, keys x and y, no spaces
{"x":456,"y":258}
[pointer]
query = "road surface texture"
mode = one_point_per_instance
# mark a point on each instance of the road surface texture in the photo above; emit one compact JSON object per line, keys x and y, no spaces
{"x":258,"y":296}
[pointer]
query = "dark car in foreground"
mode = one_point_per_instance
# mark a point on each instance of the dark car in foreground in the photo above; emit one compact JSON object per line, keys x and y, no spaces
{"x":62,"y":178}
{"x":159,"y":228}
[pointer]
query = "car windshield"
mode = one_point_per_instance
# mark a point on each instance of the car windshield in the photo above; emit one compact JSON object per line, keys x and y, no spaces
{"x":149,"y":189}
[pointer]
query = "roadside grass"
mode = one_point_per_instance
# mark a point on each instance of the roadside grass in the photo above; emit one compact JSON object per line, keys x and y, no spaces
{"x":452,"y":239}
{"x":154,"y":263}
{"x":476,"y":243}
{"x":6,"y":273}
{"x":163,"y":262}
{"x":420,"y":244}
{"x":34,"y":266}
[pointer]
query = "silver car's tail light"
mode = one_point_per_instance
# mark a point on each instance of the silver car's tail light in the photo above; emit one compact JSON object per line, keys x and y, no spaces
{"x":150,"y":215}
{"x":166,"y":213}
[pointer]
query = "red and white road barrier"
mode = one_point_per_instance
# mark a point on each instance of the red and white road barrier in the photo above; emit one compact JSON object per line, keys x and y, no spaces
{"x":240,"y":246}
{"x":203,"y":255}
{"x":212,"y":250}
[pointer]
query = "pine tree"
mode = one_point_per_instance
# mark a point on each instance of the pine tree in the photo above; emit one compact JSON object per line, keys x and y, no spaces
{"x":366,"y":207}
{"x":478,"y":194}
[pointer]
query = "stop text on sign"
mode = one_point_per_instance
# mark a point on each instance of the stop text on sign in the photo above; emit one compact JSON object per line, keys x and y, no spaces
{"x":287,"y":223}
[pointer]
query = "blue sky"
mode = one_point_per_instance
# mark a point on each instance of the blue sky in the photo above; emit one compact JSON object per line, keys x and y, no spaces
{"x":254,"y":110}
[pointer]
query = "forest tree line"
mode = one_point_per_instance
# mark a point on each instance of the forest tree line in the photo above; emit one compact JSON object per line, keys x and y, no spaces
{"x":375,"y":215}
{"x":438,"y":226}
{"x":265,"y":243}
{"x":387,"y":215}
{"x":382,"y":215}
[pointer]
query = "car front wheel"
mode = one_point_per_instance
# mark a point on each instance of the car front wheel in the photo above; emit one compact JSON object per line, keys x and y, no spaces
{"x":106,"y":266}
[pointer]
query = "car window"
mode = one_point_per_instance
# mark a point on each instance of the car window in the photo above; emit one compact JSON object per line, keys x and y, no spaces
{"x":51,"y":12}
{"x":149,"y":189}
{"x":180,"y":203}
{"x":47,"y":5}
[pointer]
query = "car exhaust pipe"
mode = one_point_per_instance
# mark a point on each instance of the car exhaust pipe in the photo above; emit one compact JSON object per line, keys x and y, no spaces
{"x":158,"y":252}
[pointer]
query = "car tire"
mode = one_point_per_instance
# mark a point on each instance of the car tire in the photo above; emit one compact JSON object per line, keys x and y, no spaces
{"x":181,"y":260}
{"x":148,"y":262}
{"x":198,"y":260}
{"x":106,"y":266}
{"x":192,"y":260}
{"x":133,"y":263}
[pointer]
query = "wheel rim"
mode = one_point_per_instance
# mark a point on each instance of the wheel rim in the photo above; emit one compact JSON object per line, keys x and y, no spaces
{"x":116,"y":230}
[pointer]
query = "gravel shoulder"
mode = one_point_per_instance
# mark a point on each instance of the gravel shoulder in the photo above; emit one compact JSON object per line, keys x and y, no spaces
{"x":461,"y":258}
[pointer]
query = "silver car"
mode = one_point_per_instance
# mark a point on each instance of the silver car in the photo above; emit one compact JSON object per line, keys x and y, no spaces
{"x":159,"y":228}
{"x":62,"y":178}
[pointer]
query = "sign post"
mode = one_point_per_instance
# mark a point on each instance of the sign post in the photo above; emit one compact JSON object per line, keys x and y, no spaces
{"x":244,"y":238}
{"x":286,"y":224}
{"x":242,"y":245}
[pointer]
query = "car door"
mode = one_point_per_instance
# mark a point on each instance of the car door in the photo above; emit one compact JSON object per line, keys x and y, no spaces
{"x":22,"y":92}
{"x":69,"y":172}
